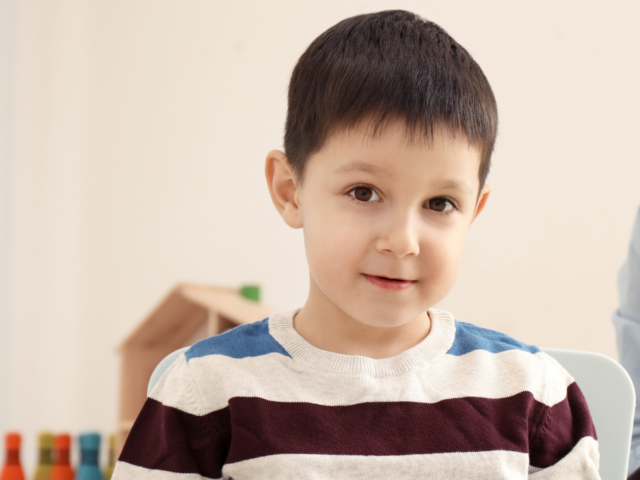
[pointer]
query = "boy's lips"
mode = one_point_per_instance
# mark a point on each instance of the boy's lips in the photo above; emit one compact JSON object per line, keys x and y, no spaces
{"x":389,"y":283}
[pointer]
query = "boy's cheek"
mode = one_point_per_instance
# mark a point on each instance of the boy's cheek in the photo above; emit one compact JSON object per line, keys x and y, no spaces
{"x":332,"y":256}
{"x":329,"y":254}
{"x":335,"y":234}
{"x":439,"y":263}
{"x":440,"y":279}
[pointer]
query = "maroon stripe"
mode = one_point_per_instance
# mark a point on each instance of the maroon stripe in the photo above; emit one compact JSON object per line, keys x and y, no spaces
{"x":470,"y":424}
{"x":166,"y":438}
{"x":564,"y":425}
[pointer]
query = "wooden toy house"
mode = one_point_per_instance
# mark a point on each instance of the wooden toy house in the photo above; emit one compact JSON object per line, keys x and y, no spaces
{"x":188,"y":314}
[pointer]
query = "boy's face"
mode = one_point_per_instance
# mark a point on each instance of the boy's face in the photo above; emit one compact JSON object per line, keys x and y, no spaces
{"x":384,"y":221}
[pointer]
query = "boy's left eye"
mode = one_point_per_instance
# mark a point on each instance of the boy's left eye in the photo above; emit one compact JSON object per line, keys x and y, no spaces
{"x":441,"y":204}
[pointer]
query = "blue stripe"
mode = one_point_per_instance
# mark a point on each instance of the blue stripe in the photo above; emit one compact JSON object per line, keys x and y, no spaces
{"x":250,"y":340}
{"x":471,"y":337}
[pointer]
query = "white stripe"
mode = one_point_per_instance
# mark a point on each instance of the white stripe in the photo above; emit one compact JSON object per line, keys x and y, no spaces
{"x":493,"y":465}
{"x":581,"y":462}
{"x":127,"y":471}
{"x":278,"y":378}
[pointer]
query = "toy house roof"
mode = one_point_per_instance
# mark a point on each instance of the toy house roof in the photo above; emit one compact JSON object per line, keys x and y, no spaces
{"x":184,"y":310}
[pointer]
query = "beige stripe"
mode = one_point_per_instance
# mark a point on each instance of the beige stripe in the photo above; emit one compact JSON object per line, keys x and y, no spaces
{"x":582,"y":462}
{"x":278,"y":378}
{"x":494,"y":465}
{"x":127,"y":471}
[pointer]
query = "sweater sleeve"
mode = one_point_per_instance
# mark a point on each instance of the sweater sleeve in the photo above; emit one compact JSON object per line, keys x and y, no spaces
{"x":564,"y":443}
{"x":173,"y":438}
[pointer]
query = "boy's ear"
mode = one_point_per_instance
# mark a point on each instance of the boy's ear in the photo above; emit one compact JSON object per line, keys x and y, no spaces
{"x":283,"y":188}
{"x":482,"y":200}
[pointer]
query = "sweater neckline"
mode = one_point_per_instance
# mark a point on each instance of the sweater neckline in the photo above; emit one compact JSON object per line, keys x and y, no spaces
{"x":432,"y":347}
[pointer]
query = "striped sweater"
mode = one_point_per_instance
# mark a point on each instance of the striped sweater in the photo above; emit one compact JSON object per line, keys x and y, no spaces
{"x":260,"y":402}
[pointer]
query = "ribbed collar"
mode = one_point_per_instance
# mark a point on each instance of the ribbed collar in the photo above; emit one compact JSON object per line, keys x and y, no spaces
{"x":434,"y":346}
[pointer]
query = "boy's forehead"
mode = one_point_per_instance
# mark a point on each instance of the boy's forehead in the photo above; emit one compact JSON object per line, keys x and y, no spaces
{"x":367,"y":134}
{"x":382,"y":154}
{"x":396,"y":137}
{"x":444,"y":158}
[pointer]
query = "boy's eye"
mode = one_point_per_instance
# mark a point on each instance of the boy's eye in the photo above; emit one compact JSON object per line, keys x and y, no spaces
{"x":440,"y":204}
{"x":364,"y":194}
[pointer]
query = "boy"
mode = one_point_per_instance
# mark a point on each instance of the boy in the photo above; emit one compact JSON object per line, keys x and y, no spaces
{"x":389,"y":133}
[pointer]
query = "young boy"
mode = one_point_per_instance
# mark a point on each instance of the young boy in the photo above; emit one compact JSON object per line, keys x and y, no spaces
{"x":389,"y":134}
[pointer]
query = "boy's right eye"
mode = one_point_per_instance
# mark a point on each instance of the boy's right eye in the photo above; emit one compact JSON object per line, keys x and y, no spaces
{"x":364,"y":194}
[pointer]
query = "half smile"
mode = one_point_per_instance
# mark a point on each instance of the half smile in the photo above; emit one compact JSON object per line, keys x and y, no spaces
{"x":389,"y":283}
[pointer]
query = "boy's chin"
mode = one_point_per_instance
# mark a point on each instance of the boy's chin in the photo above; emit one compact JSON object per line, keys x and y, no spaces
{"x":389,"y":318}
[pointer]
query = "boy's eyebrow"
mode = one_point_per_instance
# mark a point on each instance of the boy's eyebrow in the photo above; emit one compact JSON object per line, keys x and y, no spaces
{"x":455,"y":185}
{"x":358,"y":166}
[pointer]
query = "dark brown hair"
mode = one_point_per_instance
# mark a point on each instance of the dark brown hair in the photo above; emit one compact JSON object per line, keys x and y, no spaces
{"x":384,"y":66}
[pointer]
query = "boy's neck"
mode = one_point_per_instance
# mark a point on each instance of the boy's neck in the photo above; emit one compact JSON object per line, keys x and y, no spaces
{"x":326,"y":327}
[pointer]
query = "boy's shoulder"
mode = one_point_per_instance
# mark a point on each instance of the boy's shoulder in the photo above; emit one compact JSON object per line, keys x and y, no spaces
{"x":469,"y":338}
{"x":502,"y":356}
{"x":255,"y":339}
{"x":249,"y":340}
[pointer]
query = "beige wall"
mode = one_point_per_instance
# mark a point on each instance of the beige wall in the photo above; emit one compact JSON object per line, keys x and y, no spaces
{"x":139,"y":131}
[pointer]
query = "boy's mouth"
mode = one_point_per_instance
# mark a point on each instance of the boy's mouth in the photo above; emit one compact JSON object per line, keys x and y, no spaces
{"x":389,"y":283}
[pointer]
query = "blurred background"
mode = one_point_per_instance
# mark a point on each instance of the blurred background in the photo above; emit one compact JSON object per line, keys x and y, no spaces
{"x":132,"y":141}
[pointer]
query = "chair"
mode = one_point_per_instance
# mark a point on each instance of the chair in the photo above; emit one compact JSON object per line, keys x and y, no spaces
{"x":604,"y":383}
{"x":612,"y":402}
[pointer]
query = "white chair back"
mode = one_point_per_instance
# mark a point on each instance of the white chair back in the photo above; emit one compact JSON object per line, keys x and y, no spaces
{"x":611,"y":397}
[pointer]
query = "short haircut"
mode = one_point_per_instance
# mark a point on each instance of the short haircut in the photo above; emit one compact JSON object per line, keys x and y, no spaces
{"x":384,"y":66}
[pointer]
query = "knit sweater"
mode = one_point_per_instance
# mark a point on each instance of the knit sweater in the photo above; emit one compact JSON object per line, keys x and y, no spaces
{"x":260,"y":402}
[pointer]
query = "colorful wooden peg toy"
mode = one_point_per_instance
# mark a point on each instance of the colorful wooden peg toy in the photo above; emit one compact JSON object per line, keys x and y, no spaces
{"x":111,"y":461}
{"x":61,"y":467}
{"x":89,"y":452}
{"x":12,"y":469}
{"x":45,"y":462}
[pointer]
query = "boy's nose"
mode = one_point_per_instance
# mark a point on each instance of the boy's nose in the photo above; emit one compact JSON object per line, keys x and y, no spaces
{"x":399,"y":235}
